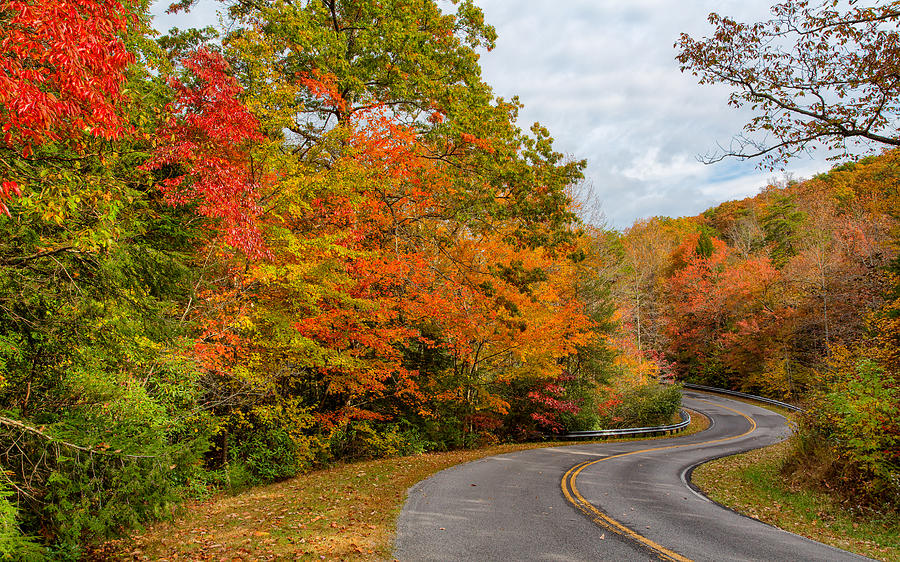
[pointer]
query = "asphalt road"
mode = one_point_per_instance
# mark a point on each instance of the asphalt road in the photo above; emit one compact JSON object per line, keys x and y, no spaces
{"x":605,"y":501}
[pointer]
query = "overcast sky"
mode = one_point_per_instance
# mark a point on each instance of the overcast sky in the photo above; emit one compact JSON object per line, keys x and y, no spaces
{"x":601,"y":75}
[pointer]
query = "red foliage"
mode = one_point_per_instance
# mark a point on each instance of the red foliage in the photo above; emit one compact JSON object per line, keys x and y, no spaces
{"x":210,"y":134}
{"x":720,"y":301}
{"x":548,"y":397}
{"x":609,"y":404}
{"x":324,"y":87}
{"x":6,"y":188}
{"x":62,"y":64}
{"x":358,"y":322}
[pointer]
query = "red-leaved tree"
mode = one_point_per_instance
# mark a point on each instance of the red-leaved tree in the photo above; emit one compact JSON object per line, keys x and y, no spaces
{"x":62,"y":65}
{"x":208,"y":139}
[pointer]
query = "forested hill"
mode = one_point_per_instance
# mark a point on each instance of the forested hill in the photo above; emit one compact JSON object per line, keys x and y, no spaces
{"x":758,"y":294}
{"x":793,"y":294}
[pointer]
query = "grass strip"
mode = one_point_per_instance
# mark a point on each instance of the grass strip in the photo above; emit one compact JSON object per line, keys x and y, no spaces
{"x":752,"y":483}
{"x":348,"y":512}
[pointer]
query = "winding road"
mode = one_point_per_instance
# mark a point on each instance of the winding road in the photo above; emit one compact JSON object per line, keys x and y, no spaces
{"x":602,"y":501}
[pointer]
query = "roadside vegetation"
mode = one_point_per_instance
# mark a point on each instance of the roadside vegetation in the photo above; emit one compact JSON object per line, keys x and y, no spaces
{"x":793,"y":293}
{"x":345,"y":512}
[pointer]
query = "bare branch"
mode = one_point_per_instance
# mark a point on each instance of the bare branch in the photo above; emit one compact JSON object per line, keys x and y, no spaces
{"x":35,"y":431}
{"x":37,"y":255}
{"x":829,"y":86}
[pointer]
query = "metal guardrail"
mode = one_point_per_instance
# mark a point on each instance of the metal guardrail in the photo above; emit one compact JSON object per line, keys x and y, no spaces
{"x":784,"y":405}
{"x":628,"y":431}
{"x":685,"y":417}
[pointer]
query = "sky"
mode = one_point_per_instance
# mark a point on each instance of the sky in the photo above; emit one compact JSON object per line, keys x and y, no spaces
{"x":601,"y":75}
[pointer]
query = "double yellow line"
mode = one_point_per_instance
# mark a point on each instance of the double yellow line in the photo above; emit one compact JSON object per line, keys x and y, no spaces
{"x":570,"y":490}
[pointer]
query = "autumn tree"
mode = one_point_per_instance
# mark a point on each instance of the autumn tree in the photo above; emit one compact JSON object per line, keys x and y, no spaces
{"x":721,"y":312}
{"x":646,"y":246}
{"x":852,"y":425}
{"x":208,"y":136}
{"x":839,"y":263}
{"x":316,"y":237}
{"x":739,"y":225}
{"x":62,"y":66}
{"x":645,"y":260}
{"x":817,"y":73}
{"x":781,"y":220}
{"x":96,"y":388}
{"x":394,"y":180}
{"x":420,"y":65}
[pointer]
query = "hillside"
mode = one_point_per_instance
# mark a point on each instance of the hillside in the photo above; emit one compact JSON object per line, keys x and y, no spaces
{"x":791,"y":294}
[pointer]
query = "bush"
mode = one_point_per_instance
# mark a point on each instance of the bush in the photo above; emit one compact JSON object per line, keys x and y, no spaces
{"x":643,"y":406}
{"x":413,"y":440}
{"x":539,"y":407}
{"x":443,"y":434}
{"x":858,"y":421}
{"x":115,"y":460}
{"x":267,"y":454}
{"x":364,"y":440}
{"x":13,"y":544}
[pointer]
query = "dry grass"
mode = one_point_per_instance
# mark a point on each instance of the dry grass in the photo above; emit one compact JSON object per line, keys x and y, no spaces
{"x":752,"y":483}
{"x":347,"y":512}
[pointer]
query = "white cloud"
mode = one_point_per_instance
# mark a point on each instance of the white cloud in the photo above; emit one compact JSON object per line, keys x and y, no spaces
{"x":204,"y":14}
{"x":602,"y":77}
{"x":750,"y":184}
{"x":649,"y":167}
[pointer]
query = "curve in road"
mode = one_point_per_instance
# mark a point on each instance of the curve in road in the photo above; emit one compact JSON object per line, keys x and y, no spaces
{"x":602,"y":501}
{"x":570,"y":491}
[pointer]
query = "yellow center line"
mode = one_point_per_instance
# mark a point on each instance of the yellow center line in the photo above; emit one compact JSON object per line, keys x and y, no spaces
{"x":570,"y":490}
